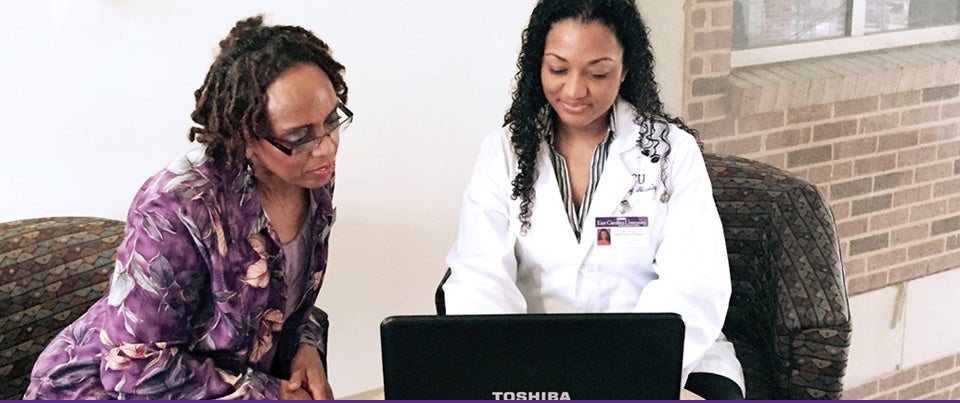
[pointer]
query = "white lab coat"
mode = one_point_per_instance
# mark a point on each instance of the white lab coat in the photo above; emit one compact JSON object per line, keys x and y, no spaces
{"x":684,"y":269}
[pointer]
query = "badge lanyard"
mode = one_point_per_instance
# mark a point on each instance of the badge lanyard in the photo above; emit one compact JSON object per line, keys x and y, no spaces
{"x":638,"y":186}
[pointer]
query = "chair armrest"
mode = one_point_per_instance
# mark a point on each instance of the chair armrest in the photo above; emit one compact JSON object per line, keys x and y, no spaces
{"x":817,"y":360}
{"x":813,"y":323}
{"x":439,"y":298}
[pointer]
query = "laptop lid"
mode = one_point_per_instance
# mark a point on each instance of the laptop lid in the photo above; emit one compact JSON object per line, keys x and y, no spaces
{"x":624,"y":356}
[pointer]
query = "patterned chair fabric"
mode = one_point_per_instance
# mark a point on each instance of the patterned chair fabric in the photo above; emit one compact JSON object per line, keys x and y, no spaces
{"x":789,"y":317}
{"x":53,"y":269}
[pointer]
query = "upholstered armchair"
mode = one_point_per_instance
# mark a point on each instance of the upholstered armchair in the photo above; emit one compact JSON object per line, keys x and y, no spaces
{"x":789,"y":317}
{"x":53,"y":269}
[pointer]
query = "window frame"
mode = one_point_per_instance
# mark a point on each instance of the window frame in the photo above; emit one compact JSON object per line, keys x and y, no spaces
{"x":856,"y":41}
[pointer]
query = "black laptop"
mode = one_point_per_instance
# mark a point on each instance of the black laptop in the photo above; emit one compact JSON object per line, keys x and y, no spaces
{"x":622,"y":356}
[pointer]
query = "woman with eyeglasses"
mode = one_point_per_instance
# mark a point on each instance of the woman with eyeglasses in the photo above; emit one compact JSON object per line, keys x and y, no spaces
{"x":588,"y":149}
{"x":225,"y":249}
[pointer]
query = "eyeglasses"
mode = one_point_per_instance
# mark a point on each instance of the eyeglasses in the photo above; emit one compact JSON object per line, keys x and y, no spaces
{"x":336,"y":123}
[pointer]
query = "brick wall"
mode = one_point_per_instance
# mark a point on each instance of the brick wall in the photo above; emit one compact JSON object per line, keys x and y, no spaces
{"x":878,"y":133}
{"x":935,"y":380}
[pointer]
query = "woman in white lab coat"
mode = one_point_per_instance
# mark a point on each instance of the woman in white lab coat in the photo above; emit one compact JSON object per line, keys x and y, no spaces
{"x":586,"y":148}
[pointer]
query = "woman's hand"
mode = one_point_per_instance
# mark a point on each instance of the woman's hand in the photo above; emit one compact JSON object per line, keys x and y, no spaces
{"x":307,"y":375}
{"x":289,"y":391}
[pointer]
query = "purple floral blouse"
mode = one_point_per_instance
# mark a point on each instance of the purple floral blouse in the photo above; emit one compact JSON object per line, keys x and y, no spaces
{"x":196,"y":300}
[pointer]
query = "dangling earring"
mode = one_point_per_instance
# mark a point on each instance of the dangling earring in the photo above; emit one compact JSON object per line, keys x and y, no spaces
{"x":248,"y":172}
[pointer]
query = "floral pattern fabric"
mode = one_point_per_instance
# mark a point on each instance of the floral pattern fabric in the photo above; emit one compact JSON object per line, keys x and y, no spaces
{"x":195,"y":306}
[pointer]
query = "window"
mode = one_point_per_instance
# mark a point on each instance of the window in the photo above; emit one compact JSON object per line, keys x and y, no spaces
{"x":760,"y":23}
{"x":767,"y":31}
{"x":893,"y":15}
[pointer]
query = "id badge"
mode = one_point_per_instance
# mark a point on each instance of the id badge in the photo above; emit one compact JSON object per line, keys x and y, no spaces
{"x":629,"y":231}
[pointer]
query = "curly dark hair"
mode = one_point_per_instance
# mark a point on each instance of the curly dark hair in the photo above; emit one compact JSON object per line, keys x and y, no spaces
{"x":529,"y":115}
{"x":231,"y":104}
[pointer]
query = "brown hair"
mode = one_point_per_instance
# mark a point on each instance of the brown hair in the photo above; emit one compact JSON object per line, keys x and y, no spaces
{"x":231,"y":103}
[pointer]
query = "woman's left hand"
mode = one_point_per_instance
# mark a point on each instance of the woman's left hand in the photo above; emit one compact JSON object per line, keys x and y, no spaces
{"x":307,"y":372}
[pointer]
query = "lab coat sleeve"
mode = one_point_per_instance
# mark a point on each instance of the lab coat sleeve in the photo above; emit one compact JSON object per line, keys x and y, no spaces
{"x":691,"y":258}
{"x":482,"y":260}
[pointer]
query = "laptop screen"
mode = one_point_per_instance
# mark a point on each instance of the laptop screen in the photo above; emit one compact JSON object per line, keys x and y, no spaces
{"x":624,"y":356}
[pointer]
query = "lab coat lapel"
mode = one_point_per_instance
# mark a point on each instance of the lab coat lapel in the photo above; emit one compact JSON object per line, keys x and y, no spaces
{"x":549,"y":212}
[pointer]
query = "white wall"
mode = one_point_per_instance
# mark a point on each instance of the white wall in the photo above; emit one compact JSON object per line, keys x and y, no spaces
{"x":666,"y":22}
{"x":903,"y":326}
{"x":97,"y":97}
